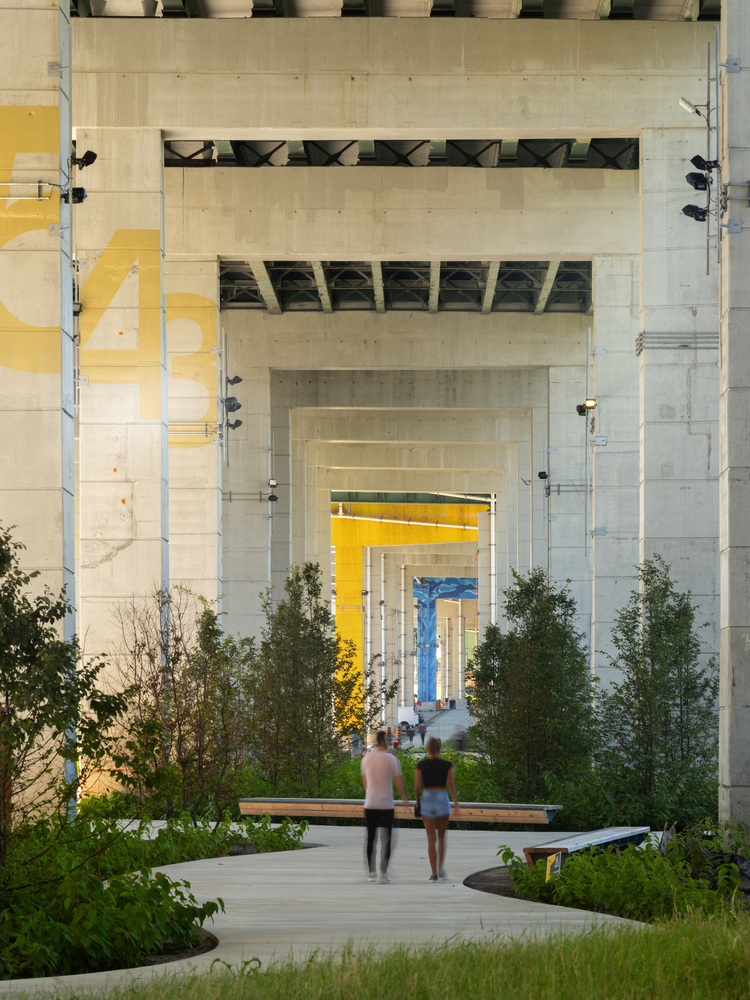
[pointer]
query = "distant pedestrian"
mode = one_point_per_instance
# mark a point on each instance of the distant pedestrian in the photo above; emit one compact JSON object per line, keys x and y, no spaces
{"x":434,"y":774}
{"x":410,"y":733}
{"x":422,"y":729}
{"x":379,"y":770}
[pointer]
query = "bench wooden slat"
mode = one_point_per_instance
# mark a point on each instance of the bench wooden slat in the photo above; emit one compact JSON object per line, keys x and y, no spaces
{"x":472,"y":812}
{"x":619,"y":835}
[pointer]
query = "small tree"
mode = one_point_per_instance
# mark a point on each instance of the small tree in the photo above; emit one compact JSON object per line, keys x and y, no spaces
{"x":51,"y":710}
{"x":660,"y":723}
{"x":304,"y":688}
{"x":532,"y":695}
{"x":186,"y":740}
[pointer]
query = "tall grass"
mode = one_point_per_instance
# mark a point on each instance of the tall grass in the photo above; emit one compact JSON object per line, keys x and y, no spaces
{"x":691,"y":959}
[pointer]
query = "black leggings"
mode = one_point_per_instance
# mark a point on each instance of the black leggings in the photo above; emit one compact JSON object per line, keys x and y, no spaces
{"x":375,"y":818}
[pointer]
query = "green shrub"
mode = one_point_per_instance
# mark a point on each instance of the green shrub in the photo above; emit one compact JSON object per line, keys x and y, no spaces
{"x":693,"y":875}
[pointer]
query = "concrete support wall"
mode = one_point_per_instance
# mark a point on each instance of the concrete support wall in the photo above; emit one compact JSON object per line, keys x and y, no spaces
{"x":195,"y":459}
{"x":679,"y":389}
{"x":36,"y":312}
{"x":124,"y":495}
{"x":615,"y":466}
{"x":734,"y":760}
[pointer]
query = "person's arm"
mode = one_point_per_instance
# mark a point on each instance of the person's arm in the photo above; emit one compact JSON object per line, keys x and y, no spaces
{"x":402,"y":788}
{"x":452,"y":789}
{"x":363,"y":775}
{"x":417,"y":783}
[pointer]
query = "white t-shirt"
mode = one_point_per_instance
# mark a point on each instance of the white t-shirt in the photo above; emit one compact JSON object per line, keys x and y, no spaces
{"x":380,"y":768}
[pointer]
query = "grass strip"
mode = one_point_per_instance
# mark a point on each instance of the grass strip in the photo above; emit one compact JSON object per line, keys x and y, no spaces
{"x":693,"y":959}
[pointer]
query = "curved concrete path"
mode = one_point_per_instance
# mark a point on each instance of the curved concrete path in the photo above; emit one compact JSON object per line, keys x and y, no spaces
{"x":299,"y":901}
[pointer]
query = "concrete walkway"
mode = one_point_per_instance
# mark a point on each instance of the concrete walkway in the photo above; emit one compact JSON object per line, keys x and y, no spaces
{"x":298,"y":901}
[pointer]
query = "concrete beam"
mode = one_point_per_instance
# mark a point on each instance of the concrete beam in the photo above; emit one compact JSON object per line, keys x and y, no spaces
{"x":590,"y":10}
{"x":265,"y":285}
{"x":376,"y":77}
{"x":379,"y":212}
{"x":377,"y":286}
{"x":666,"y":10}
{"x":488,"y":8}
{"x":400,"y":8}
{"x":313,"y":341}
{"x":549,"y":280}
{"x":434,"y":285}
{"x":320,"y":281}
{"x":489,"y":289}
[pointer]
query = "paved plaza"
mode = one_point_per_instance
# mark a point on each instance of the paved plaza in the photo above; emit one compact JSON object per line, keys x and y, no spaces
{"x":300,"y":901}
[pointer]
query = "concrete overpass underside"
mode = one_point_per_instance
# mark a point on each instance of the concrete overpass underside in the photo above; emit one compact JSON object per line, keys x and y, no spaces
{"x":482,"y":229}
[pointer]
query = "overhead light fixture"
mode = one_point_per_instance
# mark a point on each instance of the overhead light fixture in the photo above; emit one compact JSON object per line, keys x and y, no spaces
{"x":702,"y":164}
{"x":234,"y":381}
{"x":697,"y":181}
{"x":232,"y":404}
{"x":74,"y":196}
{"x":690,"y":108}
{"x":590,"y":404}
{"x":233,"y":425}
{"x":695,"y":212}
{"x":83,"y":161}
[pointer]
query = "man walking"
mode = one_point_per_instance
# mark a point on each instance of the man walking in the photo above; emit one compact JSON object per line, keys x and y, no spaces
{"x":379,"y":770}
{"x":422,"y":729}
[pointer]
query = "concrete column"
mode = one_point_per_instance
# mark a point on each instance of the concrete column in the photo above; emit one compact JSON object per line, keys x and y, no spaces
{"x":614,"y":468}
{"x":246,"y":519}
{"x":36,"y":312}
{"x":567,"y":437}
{"x":679,"y":388}
{"x":124,"y":523}
{"x":281,"y":537}
{"x":193,"y":345}
{"x":734,"y":752}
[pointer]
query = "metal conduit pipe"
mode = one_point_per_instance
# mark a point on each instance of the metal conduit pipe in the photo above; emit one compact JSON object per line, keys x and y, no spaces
{"x":461,"y":664}
{"x":402,"y":651}
{"x":408,"y":521}
{"x":368,"y":606}
{"x":383,"y":665}
{"x":493,"y":559}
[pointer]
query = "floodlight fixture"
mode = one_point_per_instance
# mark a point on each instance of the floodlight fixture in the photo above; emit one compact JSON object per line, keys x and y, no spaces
{"x":697,"y":181}
{"x":74,"y":196}
{"x":273,"y":483}
{"x":695,"y":212}
{"x":83,"y":161}
{"x":590,"y":404}
{"x":543,"y":475}
{"x":232,"y":404}
{"x":580,"y":410}
{"x":234,"y":381}
{"x":234,"y":424}
{"x":702,"y":164}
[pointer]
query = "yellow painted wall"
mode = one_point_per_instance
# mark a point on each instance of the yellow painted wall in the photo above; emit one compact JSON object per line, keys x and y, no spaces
{"x":350,"y":537}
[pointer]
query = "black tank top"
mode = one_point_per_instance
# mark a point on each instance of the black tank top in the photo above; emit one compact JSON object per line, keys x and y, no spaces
{"x":434,"y":771}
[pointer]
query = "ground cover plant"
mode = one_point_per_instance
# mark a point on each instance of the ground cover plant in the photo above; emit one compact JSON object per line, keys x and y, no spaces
{"x":697,"y":958}
{"x":689,"y":872}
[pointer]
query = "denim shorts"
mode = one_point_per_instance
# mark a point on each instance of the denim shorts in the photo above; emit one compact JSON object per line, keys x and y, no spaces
{"x":435,"y":803}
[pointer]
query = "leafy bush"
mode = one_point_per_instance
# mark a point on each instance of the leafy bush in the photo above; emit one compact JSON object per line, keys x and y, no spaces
{"x":693,"y":874}
{"x":82,"y":925}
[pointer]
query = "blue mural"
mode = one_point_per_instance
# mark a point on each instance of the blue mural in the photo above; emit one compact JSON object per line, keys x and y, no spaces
{"x":427,"y":590}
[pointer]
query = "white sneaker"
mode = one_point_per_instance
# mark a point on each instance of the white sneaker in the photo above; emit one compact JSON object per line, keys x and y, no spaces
{"x":443,"y":876}
{"x":384,"y":878}
{"x":372,"y":877}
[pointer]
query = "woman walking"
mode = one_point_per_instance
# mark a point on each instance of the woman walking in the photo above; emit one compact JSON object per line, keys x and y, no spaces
{"x":432,"y":781}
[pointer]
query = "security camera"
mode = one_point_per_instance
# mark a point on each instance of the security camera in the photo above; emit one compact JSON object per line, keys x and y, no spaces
{"x":695,"y":212}
{"x":689,"y":107}
{"x":83,"y":161}
{"x":697,"y":181}
{"x":702,"y":164}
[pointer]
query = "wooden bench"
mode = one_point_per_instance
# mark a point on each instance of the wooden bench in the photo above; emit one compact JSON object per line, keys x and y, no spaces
{"x":333,"y":809}
{"x":613,"y":836}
